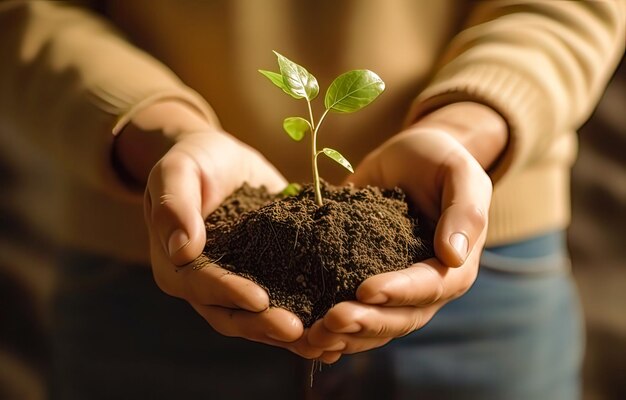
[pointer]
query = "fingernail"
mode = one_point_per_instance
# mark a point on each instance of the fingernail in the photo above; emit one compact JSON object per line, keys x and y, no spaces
{"x":378,"y":298}
{"x":178,"y":240}
{"x":460,"y":244}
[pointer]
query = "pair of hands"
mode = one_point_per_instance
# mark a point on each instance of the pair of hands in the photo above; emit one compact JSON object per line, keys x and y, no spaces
{"x":440,"y":162}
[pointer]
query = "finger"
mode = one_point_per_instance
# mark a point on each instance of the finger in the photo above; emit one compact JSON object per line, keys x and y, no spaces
{"x":305,"y":351}
{"x":359,"y":345}
{"x":303,"y":348}
{"x":174,"y":192}
{"x":418,"y":285}
{"x":272,"y":326}
{"x":465,"y":203}
{"x":208,"y":284}
{"x":320,"y":336}
{"x":262,"y":173}
{"x":330,"y":357}
{"x":366,"y":172}
{"x":205,"y":283}
{"x":375,"y":321}
{"x":237,"y":162}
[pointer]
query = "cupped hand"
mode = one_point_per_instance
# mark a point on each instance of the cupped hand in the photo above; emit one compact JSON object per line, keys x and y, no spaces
{"x":185,"y":185}
{"x":186,"y":167}
{"x":194,"y":176}
{"x":188,"y":183}
{"x":449,"y":185}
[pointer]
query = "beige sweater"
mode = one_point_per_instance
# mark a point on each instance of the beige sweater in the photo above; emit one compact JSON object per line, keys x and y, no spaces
{"x":68,"y":78}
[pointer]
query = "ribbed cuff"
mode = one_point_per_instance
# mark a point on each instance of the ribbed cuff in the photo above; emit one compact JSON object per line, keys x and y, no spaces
{"x":124,"y":109}
{"x":188,"y":97}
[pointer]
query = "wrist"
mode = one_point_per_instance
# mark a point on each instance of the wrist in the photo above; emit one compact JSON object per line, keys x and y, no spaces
{"x":479,"y":128}
{"x":149,"y":134}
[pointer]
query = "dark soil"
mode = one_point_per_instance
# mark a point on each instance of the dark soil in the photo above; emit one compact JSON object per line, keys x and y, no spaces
{"x":307,"y":257}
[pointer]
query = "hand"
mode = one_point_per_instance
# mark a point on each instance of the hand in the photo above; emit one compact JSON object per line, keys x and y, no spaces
{"x":201,"y":166}
{"x":431,"y":161}
{"x":188,"y":183}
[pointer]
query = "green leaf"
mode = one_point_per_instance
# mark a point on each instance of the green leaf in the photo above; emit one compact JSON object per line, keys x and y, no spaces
{"x":291,"y":190}
{"x":353,"y":90}
{"x":296,"y":127}
{"x":335,"y":155}
{"x":277,"y":79}
{"x":299,"y":82}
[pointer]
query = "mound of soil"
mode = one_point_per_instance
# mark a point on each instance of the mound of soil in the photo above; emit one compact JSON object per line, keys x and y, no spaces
{"x":309,"y":258}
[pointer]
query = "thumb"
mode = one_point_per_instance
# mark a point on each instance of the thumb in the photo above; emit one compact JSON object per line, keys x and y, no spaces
{"x":173,"y":209}
{"x":366,"y":173}
{"x":465,"y":205}
{"x":458,"y":231}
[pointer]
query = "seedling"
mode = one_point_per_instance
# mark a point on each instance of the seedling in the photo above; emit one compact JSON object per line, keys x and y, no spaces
{"x":349,"y":92}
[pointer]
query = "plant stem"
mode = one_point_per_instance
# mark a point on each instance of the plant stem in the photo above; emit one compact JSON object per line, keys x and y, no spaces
{"x":308,"y":103}
{"x":314,"y":153}
{"x":316,"y":175}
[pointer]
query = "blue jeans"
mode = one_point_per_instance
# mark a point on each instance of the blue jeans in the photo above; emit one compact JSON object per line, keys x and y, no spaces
{"x":517,"y":334}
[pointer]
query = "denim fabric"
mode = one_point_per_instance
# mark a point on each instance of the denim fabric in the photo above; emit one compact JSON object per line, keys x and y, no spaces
{"x":517,"y":334}
{"x":117,"y":336}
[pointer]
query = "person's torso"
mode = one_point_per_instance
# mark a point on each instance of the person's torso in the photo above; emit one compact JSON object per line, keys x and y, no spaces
{"x":216,"y":47}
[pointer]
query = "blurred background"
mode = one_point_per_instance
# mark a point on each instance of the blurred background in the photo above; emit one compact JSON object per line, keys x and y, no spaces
{"x":597,"y":241}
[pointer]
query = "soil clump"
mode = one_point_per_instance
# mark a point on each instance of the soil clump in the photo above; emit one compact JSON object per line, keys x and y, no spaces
{"x":310,"y":258}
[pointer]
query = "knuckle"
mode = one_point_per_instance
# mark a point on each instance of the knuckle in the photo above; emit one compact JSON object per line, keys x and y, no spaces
{"x":173,"y":160}
{"x":226,"y":328}
{"x":439,"y":291}
{"x":165,"y":207}
{"x":166,"y":286}
{"x":439,"y":287}
{"x":477,"y":216}
{"x":460,"y":161}
{"x":466,"y":284}
{"x":381,"y":330}
{"x":405,"y":297}
{"x":414,"y":323}
{"x":166,"y":200}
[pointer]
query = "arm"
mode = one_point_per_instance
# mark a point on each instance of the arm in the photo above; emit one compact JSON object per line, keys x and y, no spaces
{"x":95,"y":96}
{"x":521,"y":75}
{"x":188,"y":167}
{"x":542,"y":65}
{"x":82,"y":80}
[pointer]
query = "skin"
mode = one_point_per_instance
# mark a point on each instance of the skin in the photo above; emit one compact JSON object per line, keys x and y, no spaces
{"x":188,"y":166}
{"x":451,"y":148}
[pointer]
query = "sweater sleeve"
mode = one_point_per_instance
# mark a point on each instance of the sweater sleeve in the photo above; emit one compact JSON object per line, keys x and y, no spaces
{"x":542,"y":65}
{"x":69,"y":81}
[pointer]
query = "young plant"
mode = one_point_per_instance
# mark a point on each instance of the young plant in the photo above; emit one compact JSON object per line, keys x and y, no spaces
{"x":349,"y":92}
